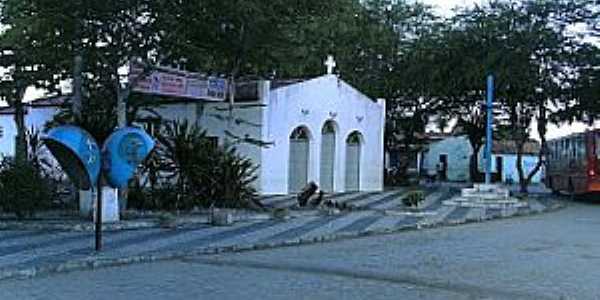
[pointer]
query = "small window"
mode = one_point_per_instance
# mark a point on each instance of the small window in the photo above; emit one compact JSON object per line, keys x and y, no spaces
{"x":300,"y":133}
{"x":354,"y":138}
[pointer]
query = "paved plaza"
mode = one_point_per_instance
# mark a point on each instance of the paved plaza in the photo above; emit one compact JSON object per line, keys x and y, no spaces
{"x":29,"y":253}
{"x":544,"y":256}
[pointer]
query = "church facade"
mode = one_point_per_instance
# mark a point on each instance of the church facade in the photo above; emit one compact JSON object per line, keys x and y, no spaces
{"x":320,"y":130}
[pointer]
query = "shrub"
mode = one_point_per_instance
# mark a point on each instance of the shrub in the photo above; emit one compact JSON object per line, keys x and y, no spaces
{"x":188,"y":170}
{"x":413,"y":198}
{"x":24,"y":189}
{"x":231,"y":179}
{"x":167,"y":220}
{"x":32,"y":184}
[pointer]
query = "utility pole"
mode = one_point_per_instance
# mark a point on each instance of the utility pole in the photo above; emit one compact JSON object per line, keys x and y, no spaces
{"x":489,"y":137}
{"x":121,"y":105}
{"x":77,"y":83}
{"x":77,"y":71}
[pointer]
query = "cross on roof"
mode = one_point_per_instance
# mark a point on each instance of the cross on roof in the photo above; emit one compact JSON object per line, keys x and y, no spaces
{"x":330,"y":63}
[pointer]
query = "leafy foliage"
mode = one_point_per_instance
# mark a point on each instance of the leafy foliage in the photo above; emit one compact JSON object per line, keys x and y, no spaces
{"x":413,"y":198}
{"x":188,"y":170}
{"x":23,"y":189}
{"x":30,"y":185}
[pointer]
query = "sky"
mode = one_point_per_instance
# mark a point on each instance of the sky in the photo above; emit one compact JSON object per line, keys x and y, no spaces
{"x":444,"y":7}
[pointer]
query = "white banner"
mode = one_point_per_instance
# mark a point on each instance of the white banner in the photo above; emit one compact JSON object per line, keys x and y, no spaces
{"x":179,"y":84}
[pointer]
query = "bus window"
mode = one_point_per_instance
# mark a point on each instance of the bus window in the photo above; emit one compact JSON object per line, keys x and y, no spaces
{"x":581,"y":146}
{"x":597,"y":145}
{"x":561,"y":146}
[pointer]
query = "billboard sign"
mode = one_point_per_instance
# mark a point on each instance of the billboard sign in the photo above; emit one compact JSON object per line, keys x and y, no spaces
{"x":175,"y":83}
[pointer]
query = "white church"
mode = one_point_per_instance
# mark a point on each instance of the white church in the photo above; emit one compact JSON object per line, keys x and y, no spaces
{"x":320,"y":130}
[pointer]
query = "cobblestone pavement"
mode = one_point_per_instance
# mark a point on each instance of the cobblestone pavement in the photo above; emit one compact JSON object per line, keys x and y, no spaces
{"x":29,"y":253}
{"x":546,"y":256}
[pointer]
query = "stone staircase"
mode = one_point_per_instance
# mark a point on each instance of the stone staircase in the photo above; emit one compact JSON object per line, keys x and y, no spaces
{"x":486,"y":195}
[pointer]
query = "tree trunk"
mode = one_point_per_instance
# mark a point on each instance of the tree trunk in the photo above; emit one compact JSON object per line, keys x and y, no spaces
{"x":541,"y":128}
{"x":523,"y":182}
{"x":21,"y":152}
{"x":474,"y":163}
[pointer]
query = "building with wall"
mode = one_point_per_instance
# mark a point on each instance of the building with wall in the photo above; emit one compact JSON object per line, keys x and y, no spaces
{"x":296,"y":131}
{"x":455,"y":152}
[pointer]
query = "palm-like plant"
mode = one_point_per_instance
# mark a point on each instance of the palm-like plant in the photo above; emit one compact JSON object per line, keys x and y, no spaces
{"x":204,"y":174}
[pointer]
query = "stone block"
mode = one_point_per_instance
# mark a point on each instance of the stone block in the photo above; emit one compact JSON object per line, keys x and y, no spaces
{"x":110,"y":205}
{"x":221,"y":218}
{"x":486,"y":192}
{"x":86,"y":203}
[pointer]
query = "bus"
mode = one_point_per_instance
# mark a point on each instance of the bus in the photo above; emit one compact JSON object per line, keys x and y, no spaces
{"x":572,"y":163}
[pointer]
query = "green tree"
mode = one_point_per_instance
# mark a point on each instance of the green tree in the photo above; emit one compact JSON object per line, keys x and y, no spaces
{"x":46,"y":36}
{"x":526,"y":45}
{"x":28,"y":58}
{"x":544,"y":75}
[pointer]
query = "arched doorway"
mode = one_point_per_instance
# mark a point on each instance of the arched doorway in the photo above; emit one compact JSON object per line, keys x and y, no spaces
{"x":298,"y":160}
{"x":327,"y":168}
{"x":353,"y":149}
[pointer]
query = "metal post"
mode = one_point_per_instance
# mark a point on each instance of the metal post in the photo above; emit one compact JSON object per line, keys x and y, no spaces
{"x":77,"y":85}
{"x":99,"y":215}
{"x":121,"y":113}
{"x":488,"y":138}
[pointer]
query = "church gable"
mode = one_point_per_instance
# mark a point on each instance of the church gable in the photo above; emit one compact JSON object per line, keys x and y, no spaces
{"x":328,"y":84}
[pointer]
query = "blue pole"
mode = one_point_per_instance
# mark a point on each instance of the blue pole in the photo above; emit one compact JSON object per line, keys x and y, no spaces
{"x":488,"y":138}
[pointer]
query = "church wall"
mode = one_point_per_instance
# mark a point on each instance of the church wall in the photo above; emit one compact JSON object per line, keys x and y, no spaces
{"x":311,"y":104}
